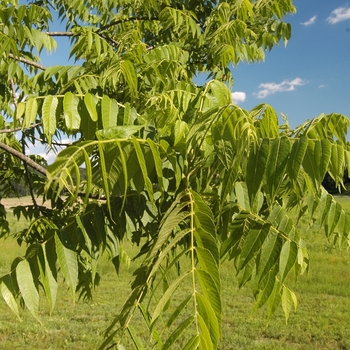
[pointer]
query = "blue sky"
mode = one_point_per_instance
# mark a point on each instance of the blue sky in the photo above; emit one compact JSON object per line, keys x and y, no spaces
{"x":308,"y":77}
{"x":312,"y":74}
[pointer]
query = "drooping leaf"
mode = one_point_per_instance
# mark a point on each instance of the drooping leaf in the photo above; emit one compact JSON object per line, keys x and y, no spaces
{"x":269,"y":254}
{"x":211,"y":292}
{"x":296,"y":157}
{"x":166,"y":297}
{"x":49,"y":115}
{"x":27,"y":287}
{"x":67,"y":259}
{"x":90,"y":103}
{"x":109,"y":110}
{"x":289,"y":301}
{"x":129,"y":75}
{"x":316,"y":160}
{"x":276,"y":166}
{"x":118,"y":132}
{"x":288,"y":257}
{"x":30,"y":112}
{"x":71,"y":114}
{"x":266,"y":290}
{"x":136,"y":340}
{"x":256,"y":165}
{"x":47,"y":268}
{"x":252,"y":243}
{"x":9,"y":294}
{"x":142,"y":163}
{"x":177,"y":332}
{"x":212,"y":323}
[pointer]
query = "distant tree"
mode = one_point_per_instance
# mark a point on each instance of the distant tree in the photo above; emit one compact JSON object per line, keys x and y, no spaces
{"x":331,"y":187}
{"x":173,"y":167}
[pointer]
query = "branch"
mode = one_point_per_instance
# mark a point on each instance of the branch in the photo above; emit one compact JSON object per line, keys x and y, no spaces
{"x":24,"y":60}
{"x":126,"y":20}
{"x":9,"y":131}
{"x":24,"y":158}
{"x":13,"y":90}
{"x":28,"y":177}
{"x":61,"y":33}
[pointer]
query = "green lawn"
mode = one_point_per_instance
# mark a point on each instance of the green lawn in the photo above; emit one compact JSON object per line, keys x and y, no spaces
{"x":322,"y":320}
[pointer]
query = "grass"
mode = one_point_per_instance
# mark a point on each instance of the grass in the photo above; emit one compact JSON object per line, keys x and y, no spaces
{"x":322,"y":320}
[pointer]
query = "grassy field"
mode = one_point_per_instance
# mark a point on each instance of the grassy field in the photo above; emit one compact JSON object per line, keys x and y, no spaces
{"x":322,"y":320}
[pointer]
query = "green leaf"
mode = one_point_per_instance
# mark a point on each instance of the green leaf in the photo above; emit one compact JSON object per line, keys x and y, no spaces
{"x":129,"y":74}
{"x":288,"y":257}
{"x":274,"y":300}
{"x":205,"y":337}
{"x":266,"y":291}
{"x":158,"y":163}
{"x":256,"y":165}
{"x":30,"y":112}
{"x":118,"y":132}
{"x":109,"y":110}
{"x":166,"y":297}
{"x":180,"y":134}
{"x":47,"y":274}
{"x":136,"y":340}
{"x":193,"y":343}
{"x":270,"y":252}
{"x":268,"y":124}
{"x":288,"y":301}
{"x":9,"y":294}
{"x":208,"y":263}
{"x":211,"y":292}
{"x":336,"y":165}
{"x":276,"y":166}
{"x":27,"y":287}
{"x":177,"y":332}
{"x":241,"y":192}
{"x":316,"y":160}
{"x":296,"y":157}
{"x":178,"y":310}
{"x":20,"y":110}
{"x":252,"y":243}
{"x":203,"y":214}
{"x":90,"y":104}
{"x":125,"y":171}
{"x":333,"y":218}
{"x":142,"y":163}
{"x":71,"y":115}
{"x":104,"y":175}
{"x":49,"y":115}
{"x":212,"y":322}
{"x":67,"y":259}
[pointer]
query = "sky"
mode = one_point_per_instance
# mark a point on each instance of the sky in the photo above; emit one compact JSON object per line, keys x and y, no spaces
{"x":312,"y":74}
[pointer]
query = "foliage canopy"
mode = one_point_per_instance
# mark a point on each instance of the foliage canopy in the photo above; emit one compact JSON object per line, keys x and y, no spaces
{"x":176,"y":168}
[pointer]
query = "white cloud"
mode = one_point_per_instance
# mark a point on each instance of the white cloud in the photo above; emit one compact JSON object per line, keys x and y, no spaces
{"x":49,"y":156}
{"x":312,"y":20}
{"x":238,"y":96}
{"x":338,"y":15}
{"x":321,"y":86}
{"x":267,"y":89}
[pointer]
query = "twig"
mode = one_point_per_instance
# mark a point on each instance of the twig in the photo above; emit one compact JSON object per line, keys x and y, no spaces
{"x":61,"y":33}
{"x":13,"y":89}
{"x":126,"y":20}
{"x":25,"y":61}
{"x":9,"y":131}
{"x":28,"y":177}
{"x":23,"y":157}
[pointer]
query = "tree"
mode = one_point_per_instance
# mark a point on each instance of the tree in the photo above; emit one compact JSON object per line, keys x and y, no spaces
{"x":176,"y":168}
